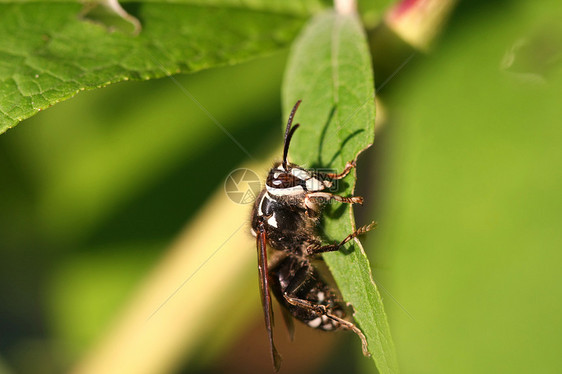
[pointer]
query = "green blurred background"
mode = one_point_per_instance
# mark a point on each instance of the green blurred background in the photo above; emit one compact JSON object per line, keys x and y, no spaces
{"x":464,"y":179}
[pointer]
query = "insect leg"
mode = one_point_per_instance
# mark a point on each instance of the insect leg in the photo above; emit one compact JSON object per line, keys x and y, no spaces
{"x":314,"y":249}
{"x":350,"y":165}
{"x":350,"y":326}
{"x":313,"y":198}
{"x":322,"y":310}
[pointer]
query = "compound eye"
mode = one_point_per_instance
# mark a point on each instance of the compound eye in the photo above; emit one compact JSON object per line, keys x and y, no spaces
{"x":279,"y":179}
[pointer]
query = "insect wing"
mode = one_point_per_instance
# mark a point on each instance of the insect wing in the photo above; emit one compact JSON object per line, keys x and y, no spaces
{"x":265,"y":295}
{"x":288,"y":318}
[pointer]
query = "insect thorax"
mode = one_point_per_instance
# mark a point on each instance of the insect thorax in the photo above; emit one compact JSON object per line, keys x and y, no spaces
{"x":290,"y":226}
{"x":290,"y":218}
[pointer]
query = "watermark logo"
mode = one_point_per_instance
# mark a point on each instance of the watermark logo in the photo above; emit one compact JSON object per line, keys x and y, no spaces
{"x":242,"y":186}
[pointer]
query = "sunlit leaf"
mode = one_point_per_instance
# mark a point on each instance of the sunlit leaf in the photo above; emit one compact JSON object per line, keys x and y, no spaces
{"x":49,"y":51}
{"x":330,"y":71}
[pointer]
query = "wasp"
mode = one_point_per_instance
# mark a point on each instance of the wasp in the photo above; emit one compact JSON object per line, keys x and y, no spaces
{"x":286,"y":218}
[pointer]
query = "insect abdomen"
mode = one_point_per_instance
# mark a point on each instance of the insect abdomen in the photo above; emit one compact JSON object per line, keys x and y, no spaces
{"x":311,"y":287}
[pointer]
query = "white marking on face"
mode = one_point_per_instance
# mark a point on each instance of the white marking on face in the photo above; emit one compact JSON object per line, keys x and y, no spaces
{"x":272,"y":221}
{"x":276,"y":175}
{"x":315,"y":322}
{"x":300,"y":173}
{"x":321,"y":296}
{"x":314,"y":184}
{"x":284,"y":191}
{"x":281,"y":168}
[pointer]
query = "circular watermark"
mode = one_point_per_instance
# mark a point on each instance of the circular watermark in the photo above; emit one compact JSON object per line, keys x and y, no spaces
{"x":242,"y":186}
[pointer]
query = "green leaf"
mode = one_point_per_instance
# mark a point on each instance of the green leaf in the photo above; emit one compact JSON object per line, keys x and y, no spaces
{"x":49,"y":52}
{"x":330,"y":71}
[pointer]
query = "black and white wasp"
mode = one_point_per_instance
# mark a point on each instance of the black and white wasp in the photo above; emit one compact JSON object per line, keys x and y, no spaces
{"x":286,"y":217}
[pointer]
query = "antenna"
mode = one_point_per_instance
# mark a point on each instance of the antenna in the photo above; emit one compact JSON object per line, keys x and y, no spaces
{"x":289,"y":131}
